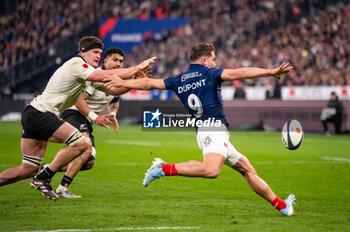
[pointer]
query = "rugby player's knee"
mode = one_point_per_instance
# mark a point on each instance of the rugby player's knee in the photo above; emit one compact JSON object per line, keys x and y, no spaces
{"x":213,"y":172}
{"x":82,"y":145}
{"x":77,"y":141}
{"x":87,"y":153}
{"x":28,"y":171}
{"x":244,"y":167}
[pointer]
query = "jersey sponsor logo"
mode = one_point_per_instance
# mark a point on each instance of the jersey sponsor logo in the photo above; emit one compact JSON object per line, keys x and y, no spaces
{"x":85,"y":66}
{"x":190,"y":75}
{"x":194,"y":85}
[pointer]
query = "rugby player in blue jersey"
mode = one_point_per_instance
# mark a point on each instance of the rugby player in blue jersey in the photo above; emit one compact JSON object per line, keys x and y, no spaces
{"x":199,"y":89}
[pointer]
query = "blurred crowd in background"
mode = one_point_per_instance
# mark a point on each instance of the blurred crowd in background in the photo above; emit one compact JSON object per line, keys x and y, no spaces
{"x":313,"y":35}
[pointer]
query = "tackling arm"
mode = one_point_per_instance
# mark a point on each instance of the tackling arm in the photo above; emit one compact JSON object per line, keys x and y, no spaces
{"x":251,"y":73}
{"x":113,"y":107}
{"x":124,"y":73}
{"x":116,"y":91}
{"x":84,"y":108}
{"x":141,"y":84}
{"x":101,"y":120}
{"x":82,"y":104}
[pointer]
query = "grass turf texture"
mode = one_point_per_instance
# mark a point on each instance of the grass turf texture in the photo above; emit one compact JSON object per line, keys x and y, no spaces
{"x":113,"y":195}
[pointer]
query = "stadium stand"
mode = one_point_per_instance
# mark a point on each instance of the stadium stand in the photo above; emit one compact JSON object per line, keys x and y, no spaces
{"x":312,"y":35}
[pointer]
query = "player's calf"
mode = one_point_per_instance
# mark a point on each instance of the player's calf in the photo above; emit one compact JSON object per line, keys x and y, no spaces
{"x":18,"y":173}
{"x":90,"y":160}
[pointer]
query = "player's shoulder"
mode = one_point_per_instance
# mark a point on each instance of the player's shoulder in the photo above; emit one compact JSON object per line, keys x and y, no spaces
{"x":75,"y":59}
{"x":77,"y":62}
{"x":213,"y":72}
{"x":172,"y":78}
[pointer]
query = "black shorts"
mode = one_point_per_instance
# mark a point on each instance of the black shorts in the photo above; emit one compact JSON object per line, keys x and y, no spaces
{"x":79,"y":121}
{"x":39,"y":125}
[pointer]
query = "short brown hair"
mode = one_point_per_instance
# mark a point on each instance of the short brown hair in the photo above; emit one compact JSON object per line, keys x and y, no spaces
{"x":89,"y":42}
{"x":201,"y":49}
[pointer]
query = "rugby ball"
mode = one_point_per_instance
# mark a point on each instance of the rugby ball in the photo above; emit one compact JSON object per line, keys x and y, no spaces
{"x":292,"y":134}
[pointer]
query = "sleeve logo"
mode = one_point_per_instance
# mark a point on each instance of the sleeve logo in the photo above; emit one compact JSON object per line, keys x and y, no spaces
{"x":85,"y":66}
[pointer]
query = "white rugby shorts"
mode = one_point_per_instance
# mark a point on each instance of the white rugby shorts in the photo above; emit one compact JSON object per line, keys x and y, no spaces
{"x":218,"y":142}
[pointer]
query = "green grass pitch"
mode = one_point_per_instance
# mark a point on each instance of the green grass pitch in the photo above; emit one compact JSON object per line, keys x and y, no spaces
{"x":318,"y":173}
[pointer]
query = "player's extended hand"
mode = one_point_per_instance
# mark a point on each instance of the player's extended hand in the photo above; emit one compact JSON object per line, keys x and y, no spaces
{"x":113,"y":81}
{"x":146,"y":63}
{"x":104,"y":120}
{"x":284,"y":68}
{"x":114,"y":122}
{"x":144,"y":73}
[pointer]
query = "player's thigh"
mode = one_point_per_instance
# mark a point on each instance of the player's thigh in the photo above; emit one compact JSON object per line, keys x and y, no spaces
{"x":213,"y":160}
{"x":63,"y":133}
{"x":218,"y":143}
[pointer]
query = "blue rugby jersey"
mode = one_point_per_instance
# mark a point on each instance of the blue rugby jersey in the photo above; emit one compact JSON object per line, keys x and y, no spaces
{"x":199,"y":89}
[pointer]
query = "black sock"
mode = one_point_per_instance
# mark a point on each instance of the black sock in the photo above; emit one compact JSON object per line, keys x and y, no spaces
{"x":46,"y":174}
{"x":66,"y":180}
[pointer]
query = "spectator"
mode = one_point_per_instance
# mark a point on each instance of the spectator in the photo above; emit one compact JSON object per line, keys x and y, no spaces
{"x":332,"y":113}
{"x":239,"y":90}
{"x":312,"y":35}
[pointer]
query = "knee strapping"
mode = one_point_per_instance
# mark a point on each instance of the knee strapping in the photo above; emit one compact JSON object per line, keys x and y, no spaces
{"x":32,"y":160}
{"x":93,"y":152}
{"x":88,"y":140}
{"x":74,"y":138}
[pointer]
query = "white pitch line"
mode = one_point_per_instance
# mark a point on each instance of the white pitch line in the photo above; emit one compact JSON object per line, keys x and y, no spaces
{"x":137,"y":143}
{"x":332,"y":161}
{"x":7,"y":165}
{"x":328,"y":141}
{"x":117,"y":229}
{"x":124,"y":164}
{"x":336,"y":159}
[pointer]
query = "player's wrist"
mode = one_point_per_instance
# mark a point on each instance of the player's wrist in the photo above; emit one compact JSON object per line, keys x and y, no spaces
{"x":138,"y":67}
{"x":92,"y":116}
{"x":273,"y":71}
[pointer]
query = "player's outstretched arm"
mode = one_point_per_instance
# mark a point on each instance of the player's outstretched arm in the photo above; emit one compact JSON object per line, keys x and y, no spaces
{"x":116,"y":91}
{"x":113,"y":110}
{"x":83,"y":107}
{"x":251,"y":73}
{"x":141,"y":84}
{"x":124,"y":73}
